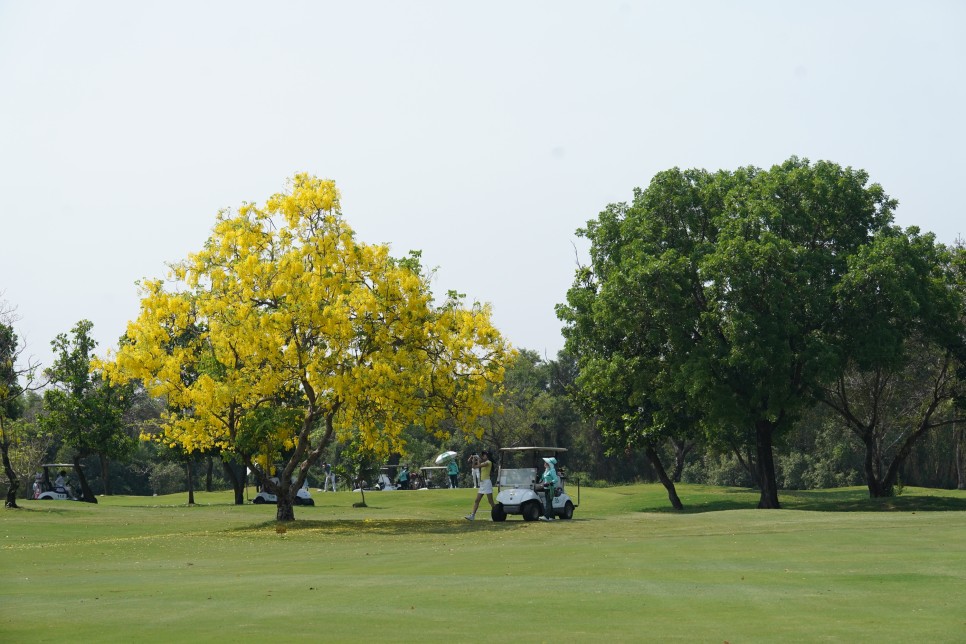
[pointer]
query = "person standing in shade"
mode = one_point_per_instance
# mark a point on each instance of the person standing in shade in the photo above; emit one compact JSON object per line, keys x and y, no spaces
{"x":486,"y":485}
{"x":549,"y":482}
{"x":474,"y":461}
{"x":453,"y":469}
{"x":63,"y":483}
{"x":329,"y":477}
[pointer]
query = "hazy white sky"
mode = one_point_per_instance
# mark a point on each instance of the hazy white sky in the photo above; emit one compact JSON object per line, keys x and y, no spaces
{"x":481,"y":133}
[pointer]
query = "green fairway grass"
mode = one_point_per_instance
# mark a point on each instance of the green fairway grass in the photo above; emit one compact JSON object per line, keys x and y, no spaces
{"x":833,"y":566}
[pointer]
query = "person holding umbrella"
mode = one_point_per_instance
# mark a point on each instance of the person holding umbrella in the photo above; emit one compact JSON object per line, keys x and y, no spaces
{"x":453,"y":469}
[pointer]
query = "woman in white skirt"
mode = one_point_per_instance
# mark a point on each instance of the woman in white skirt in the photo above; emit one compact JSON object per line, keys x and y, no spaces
{"x":486,"y":485}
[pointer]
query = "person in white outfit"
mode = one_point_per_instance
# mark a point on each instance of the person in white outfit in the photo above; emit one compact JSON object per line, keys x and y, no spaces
{"x":329,"y":477}
{"x":61,"y":482}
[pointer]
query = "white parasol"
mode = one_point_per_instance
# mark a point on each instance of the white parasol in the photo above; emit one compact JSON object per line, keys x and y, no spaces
{"x":445,"y":457}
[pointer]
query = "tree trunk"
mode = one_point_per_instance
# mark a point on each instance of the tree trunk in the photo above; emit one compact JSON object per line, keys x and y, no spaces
{"x":210,"y":462}
{"x":237,"y":481}
{"x":891,"y":478}
{"x":191,"y":482}
{"x":655,"y":460}
{"x":86,"y":492}
{"x":14,"y":482}
{"x":105,"y":474}
{"x":748,"y":464}
{"x":961,"y":459}
{"x":767,"y":481}
{"x":681,"y":450}
{"x":872,"y":481}
{"x":286,"y":505}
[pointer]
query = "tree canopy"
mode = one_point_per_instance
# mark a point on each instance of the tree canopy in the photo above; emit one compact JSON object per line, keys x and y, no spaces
{"x":716,"y":296}
{"x":903,"y":318}
{"x":285,"y":332}
{"x":82,"y":408}
{"x":10,"y":405}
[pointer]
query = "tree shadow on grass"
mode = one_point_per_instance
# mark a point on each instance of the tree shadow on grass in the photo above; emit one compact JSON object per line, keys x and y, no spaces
{"x":46,"y":508}
{"x":382,"y":526}
{"x":859,"y":501}
{"x":832,"y":500}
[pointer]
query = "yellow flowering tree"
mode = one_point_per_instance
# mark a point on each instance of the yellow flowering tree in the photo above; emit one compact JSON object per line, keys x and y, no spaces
{"x":285,"y":333}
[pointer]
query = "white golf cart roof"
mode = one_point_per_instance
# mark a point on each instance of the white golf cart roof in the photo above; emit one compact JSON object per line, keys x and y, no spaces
{"x":533,"y":449}
{"x":70,"y":465}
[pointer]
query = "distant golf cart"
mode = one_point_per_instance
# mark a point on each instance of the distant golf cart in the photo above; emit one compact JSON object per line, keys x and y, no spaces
{"x":383,"y":482}
{"x":413,"y":477}
{"x":434,"y":477}
{"x":520,"y":493}
{"x":416,"y":480}
{"x":302,"y":497}
{"x":48,"y":491}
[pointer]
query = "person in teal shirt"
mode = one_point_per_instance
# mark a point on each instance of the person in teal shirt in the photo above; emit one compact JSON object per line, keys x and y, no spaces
{"x":453,"y":469}
{"x":402,"y":480}
{"x":549,"y":481}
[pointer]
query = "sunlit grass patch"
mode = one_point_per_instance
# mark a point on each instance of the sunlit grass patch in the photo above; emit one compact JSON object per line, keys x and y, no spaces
{"x":625,"y":566}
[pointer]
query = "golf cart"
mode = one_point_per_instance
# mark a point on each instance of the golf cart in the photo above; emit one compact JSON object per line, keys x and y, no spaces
{"x":416,"y":480}
{"x":44,"y":490}
{"x":302,"y":496}
{"x":518,"y":483}
{"x":413,"y":479}
{"x":434,"y":476}
{"x":384,"y":480}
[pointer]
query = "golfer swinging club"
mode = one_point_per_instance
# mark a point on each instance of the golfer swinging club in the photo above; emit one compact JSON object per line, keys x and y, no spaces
{"x":486,"y":485}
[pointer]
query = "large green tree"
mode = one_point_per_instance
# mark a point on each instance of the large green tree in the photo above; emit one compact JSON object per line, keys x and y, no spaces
{"x":902,"y":318}
{"x":10,"y":406}
{"x":718,"y":291}
{"x":17,"y":378}
{"x":83,"y":408}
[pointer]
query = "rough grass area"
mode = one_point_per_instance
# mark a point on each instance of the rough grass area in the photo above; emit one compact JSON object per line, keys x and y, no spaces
{"x":833,"y":566}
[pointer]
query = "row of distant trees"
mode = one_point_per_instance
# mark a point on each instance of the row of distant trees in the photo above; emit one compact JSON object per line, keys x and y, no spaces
{"x":766,"y":328}
{"x":820,"y":451}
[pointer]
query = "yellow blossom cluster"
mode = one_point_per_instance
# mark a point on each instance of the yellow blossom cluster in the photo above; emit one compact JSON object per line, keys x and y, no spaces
{"x":284,"y":308}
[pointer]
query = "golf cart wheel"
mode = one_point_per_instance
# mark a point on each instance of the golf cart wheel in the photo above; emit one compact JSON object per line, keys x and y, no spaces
{"x":530,"y":511}
{"x":498,"y":513}
{"x":258,"y":500}
{"x":568,"y":511}
{"x":308,"y":502}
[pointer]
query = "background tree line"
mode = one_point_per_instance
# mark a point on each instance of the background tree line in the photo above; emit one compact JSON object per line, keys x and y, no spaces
{"x":820,"y":451}
{"x":767,"y":328}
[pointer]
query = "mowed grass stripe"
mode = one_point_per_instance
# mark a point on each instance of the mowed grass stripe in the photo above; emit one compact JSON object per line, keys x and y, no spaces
{"x":408,"y":568}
